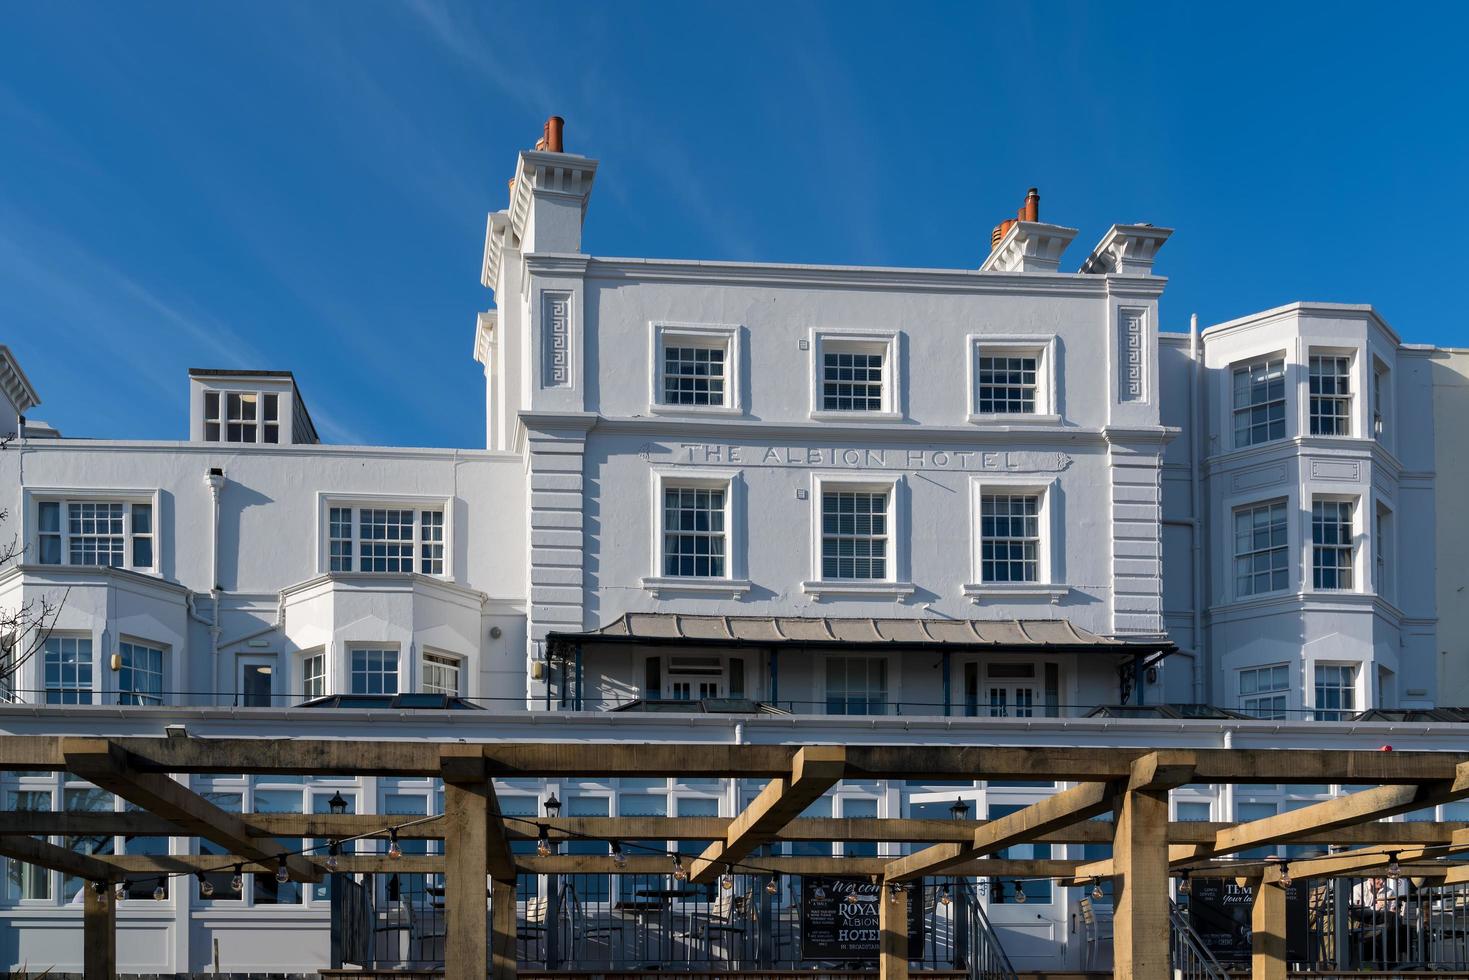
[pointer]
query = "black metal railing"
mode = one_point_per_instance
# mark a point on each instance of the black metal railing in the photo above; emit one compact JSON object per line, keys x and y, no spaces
{"x":1191,"y":958}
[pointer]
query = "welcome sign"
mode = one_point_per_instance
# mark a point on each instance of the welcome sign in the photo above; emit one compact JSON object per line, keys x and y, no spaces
{"x":839,"y":919}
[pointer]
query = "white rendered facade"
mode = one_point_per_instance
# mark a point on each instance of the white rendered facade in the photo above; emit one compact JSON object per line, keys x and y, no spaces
{"x":1013,"y":443}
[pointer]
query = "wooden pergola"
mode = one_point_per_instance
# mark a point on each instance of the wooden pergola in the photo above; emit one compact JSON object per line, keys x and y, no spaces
{"x":1133,"y":784}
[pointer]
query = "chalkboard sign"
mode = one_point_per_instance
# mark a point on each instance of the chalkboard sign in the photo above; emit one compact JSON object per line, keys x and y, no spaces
{"x":1219,"y":910}
{"x":834,"y":927}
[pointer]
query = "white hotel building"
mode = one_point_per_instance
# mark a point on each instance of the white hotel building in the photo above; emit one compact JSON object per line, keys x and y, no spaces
{"x":742,"y":501}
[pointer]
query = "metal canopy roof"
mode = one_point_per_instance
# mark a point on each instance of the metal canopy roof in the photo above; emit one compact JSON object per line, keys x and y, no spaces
{"x":827,"y":631}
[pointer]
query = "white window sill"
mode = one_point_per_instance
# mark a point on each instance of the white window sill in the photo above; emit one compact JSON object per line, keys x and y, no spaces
{"x":723,"y":410}
{"x":824,"y":415}
{"x":857,"y":587}
{"x":1013,"y":418}
{"x":1000,"y":591}
{"x":661,"y":585}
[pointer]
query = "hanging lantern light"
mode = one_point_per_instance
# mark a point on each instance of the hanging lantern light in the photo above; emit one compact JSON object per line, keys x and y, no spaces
{"x":618,"y":858}
{"x":206,"y":887}
{"x":944,"y":898}
{"x":237,"y":883}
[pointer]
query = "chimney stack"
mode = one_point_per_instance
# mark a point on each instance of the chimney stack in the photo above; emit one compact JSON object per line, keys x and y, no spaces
{"x":1029,"y":211}
{"x":550,"y":140}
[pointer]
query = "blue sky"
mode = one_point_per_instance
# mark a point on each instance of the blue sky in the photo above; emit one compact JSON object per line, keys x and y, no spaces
{"x":304,"y":185}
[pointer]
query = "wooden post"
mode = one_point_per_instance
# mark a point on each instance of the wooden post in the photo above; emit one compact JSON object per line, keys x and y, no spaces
{"x":502,"y":932}
{"x":1140,"y":855}
{"x":892,"y":919}
{"x":1267,"y":920}
{"x":99,"y":933}
{"x":466,"y":870}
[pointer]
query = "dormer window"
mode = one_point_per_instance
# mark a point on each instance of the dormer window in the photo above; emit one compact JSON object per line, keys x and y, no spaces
{"x":249,"y":416}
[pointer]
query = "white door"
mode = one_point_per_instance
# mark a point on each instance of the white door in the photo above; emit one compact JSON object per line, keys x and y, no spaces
{"x":695,"y":678}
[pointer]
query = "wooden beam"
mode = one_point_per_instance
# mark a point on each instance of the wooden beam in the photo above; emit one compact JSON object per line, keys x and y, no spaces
{"x":135,"y":823}
{"x":816,"y":769}
{"x":1267,"y":940}
{"x":1330,"y":815}
{"x":466,"y":768}
{"x":108,"y":767}
{"x":1329,"y":818}
{"x":892,"y":919}
{"x":1070,"y":806}
{"x":467,"y":848}
{"x":1140,"y":923}
{"x":503,"y":955}
{"x":644,"y":864}
{"x":148,"y":865}
{"x":99,"y":934}
{"x":47,"y":855}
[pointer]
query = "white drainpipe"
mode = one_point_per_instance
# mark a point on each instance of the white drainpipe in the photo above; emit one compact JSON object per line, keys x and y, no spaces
{"x":214,"y":479}
{"x":1195,"y":418}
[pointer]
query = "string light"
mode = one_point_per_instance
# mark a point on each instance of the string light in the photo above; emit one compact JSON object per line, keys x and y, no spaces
{"x":944,"y":896}
{"x":893,"y":889}
{"x":394,"y":851}
{"x":852,"y":898}
{"x":543,"y":841}
{"x":726,"y":881}
{"x":331,"y":856}
{"x":1097,"y":893}
{"x":237,"y":883}
{"x":1394,"y":870}
{"x":1183,"y":886}
{"x":206,"y":887}
{"x":282,"y":873}
{"x":1020,"y":892}
{"x":159,"y":891}
{"x":122,"y":891}
{"x":1285,"y":878}
{"x":678,"y":870}
{"x":618,"y":858}
{"x":772,"y":887}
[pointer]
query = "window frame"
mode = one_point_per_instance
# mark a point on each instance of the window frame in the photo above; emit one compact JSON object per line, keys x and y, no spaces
{"x":1380,"y":400}
{"x":1235,"y":511}
{"x":356,"y":503}
{"x":1342,"y":713}
{"x":63,"y":497}
{"x":887,"y":678}
{"x":1354,"y":546}
{"x":93,"y":690}
{"x":1384,"y":549}
{"x":304,"y":659}
{"x":728,"y":336}
{"x":443,"y":660}
{"x":221,"y":421}
{"x":1271,"y":693}
{"x":1049,"y":558}
{"x":365,"y":647}
{"x":1350,"y":356}
{"x":1047,"y":394}
{"x":825,"y":339}
{"x":1234,"y":409}
{"x":896,"y":582}
{"x":133,"y":697}
{"x":735,"y":581}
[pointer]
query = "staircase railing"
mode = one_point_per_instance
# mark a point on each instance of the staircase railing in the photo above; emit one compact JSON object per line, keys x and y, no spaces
{"x":987,"y":959}
{"x":1192,"y":960}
